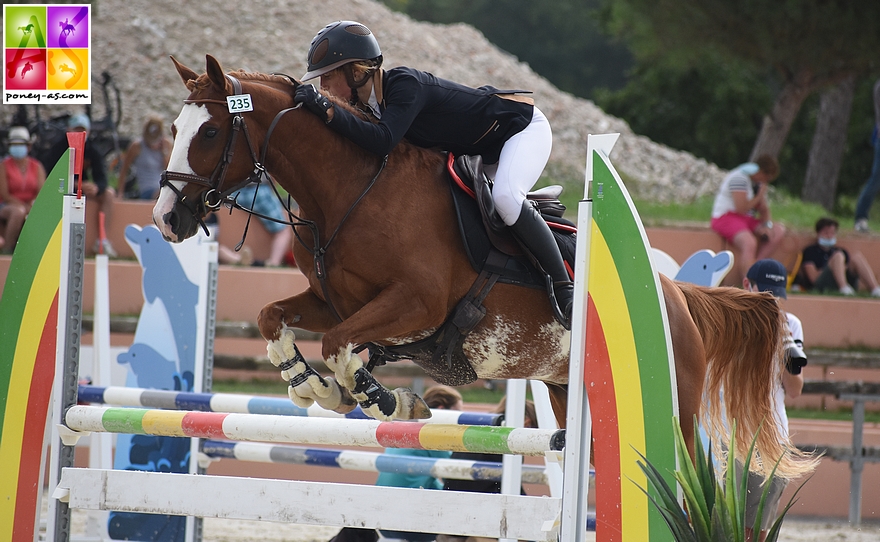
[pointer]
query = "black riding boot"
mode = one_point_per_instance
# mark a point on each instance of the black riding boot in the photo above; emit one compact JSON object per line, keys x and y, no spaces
{"x":534,"y":233}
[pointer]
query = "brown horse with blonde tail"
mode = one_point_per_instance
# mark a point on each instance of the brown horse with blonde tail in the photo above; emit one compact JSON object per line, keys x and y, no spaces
{"x":386,"y":266}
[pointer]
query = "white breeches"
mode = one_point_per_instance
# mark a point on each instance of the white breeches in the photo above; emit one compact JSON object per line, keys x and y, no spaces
{"x":522,"y":160}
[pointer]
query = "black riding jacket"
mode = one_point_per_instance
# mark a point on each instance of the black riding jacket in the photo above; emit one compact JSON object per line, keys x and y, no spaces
{"x":436,"y":113}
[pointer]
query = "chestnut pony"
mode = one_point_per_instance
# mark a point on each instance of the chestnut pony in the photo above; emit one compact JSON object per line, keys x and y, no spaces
{"x":380,"y":246}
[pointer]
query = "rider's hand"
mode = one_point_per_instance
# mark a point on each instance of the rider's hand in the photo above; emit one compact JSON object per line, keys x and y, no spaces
{"x":314,"y":101}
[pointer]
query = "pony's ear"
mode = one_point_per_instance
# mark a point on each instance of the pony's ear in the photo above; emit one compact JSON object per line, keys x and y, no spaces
{"x":185,"y":73}
{"x":215,"y":72}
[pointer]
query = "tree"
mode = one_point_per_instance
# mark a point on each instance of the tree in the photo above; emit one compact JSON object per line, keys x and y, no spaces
{"x":560,"y":40}
{"x":810,"y":44}
{"x":712,"y":110}
{"x":829,"y":140}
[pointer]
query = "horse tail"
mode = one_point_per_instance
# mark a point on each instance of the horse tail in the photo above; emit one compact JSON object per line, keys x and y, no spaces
{"x":743,"y":334}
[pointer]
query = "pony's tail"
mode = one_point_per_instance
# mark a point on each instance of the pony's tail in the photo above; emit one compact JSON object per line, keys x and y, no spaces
{"x":743,"y":338}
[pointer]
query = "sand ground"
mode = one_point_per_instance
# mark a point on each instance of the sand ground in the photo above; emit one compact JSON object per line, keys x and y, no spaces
{"x":795,"y":529}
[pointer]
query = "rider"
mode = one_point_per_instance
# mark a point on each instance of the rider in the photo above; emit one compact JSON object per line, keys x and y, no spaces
{"x":507,"y":130}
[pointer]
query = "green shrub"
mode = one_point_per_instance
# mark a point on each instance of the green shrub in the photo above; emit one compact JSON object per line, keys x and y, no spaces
{"x":717,"y":510}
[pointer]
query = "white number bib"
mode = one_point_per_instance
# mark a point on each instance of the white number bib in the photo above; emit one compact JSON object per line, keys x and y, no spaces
{"x":239,"y":103}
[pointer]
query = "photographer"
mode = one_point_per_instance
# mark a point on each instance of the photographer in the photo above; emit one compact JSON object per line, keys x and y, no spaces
{"x":770,"y":276}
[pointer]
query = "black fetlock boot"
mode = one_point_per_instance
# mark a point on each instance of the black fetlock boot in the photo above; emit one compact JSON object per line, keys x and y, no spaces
{"x":534,"y":233}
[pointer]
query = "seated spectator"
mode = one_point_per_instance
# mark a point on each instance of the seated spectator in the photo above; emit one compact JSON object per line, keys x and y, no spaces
{"x":21,"y":179}
{"x":741,"y":214}
{"x":226,"y":255}
{"x":144,"y":161}
{"x":267,"y":204}
{"x":826,"y":266}
{"x":94,"y":175}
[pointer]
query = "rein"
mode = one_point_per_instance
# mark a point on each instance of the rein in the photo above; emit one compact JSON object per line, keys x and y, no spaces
{"x":213,"y":198}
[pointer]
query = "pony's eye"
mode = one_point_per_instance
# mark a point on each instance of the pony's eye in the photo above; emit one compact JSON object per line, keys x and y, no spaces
{"x":210,"y":132}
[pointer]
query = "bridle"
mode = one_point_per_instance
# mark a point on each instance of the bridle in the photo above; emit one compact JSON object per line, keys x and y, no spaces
{"x":213,"y":197}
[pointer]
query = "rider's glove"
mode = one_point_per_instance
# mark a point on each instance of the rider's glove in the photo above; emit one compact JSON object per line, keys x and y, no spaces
{"x":314,"y":101}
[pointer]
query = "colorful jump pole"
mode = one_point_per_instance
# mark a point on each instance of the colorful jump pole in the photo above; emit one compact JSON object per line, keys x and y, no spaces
{"x":452,"y":469}
{"x":250,"y":404}
{"x":326,"y":431}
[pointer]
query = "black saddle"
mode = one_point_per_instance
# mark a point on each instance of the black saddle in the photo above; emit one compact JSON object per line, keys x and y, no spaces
{"x":496,"y":256}
{"x":483,"y":231}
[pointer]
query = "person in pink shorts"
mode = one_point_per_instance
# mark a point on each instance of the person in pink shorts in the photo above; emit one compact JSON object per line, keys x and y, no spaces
{"x":741,"y":214}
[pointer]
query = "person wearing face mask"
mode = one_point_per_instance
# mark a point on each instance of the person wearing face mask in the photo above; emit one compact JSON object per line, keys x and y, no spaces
{"x":21,"y":179}
{"x":826,"y":266}
{"x":147,"y":157}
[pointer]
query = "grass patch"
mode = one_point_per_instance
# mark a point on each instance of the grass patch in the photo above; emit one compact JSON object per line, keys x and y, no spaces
{"x":793,"y":212}
{"x":790,"y":210}
{"x":479,"y":394}
{"x":476,"y":393}
{"x":250,"y":387}
{"x":842,"y":414}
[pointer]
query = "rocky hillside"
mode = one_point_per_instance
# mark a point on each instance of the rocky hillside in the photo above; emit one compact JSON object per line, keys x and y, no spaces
{"x":133,"y":39}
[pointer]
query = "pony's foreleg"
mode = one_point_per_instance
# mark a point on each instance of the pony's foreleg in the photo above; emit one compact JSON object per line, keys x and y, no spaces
{"x":306,"y":386}
{"x":375,"y":399}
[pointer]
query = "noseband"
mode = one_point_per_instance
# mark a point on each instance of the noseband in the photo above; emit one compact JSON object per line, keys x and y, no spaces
{"x":213,"y":197}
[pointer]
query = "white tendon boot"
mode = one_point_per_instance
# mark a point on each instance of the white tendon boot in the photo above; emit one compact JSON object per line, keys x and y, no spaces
{"x":306,"y":385}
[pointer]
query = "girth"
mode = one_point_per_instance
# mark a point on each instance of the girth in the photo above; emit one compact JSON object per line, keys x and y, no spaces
{"x":441,"y":354}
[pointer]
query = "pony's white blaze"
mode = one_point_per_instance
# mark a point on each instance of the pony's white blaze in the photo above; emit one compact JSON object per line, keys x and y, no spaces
{"x":191,"y":118}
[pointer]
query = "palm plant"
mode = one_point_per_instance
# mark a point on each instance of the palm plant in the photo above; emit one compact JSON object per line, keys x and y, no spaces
{"x":713,"y":511}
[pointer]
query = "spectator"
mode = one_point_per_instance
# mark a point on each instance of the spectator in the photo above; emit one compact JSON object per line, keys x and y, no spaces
{"x":225,"y":255}
{"x":770,"y":276}
{"x":441,"y":397}
{"x":21,"y":179}
{"x":94,"y":175}
{"x":148,"y":157}
{"x":741,"y":213}
{"x":264,"y":202}
{"x":827,"y":266}
{"x":872,"y":186}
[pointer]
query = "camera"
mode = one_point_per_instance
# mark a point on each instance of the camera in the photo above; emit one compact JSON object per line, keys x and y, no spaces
{"x":795,"y":358}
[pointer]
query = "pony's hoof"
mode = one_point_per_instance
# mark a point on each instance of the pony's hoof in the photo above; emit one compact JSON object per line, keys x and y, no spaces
{"x":413,"y":404}
{"x":299,"y":400}
{"x":400,"y":404}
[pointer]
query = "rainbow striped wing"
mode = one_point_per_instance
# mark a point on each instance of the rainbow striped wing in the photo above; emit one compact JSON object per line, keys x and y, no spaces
{"x":28,"y":321}
{"x":629,"y":370}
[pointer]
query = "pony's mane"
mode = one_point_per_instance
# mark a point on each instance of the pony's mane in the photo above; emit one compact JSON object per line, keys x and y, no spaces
{"x":202,"y":82}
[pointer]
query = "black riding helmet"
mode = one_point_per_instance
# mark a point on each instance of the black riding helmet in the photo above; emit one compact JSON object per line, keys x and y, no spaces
{"x":339,"y":43}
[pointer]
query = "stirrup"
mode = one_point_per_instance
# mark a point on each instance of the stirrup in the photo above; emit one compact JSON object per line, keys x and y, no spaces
{"x":558,"y":313}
